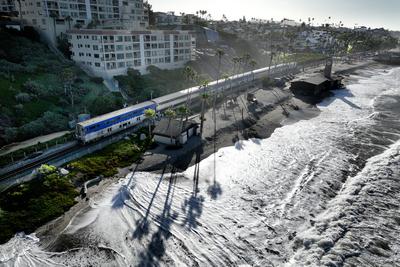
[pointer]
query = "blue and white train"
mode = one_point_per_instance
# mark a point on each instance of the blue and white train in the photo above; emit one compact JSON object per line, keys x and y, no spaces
{"x":122,"y":119}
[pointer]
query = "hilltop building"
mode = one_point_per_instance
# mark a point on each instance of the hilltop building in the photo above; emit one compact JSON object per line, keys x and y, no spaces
{"x":108,"y":53}
{"x":167,"y":18}
{"x":108,"y":37}
{"x":54,"y":17}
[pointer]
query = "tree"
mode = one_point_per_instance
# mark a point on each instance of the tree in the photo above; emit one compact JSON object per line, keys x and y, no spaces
{"x":170,"y":114}
{"x":220,"y":53}
{"x":150,"y":114}
{"x":20,"y":13}
{"x":150,"y":13}
{"x":69,"y":19}
{"x":204,"y":98}
{"x":190,"y":75}
{"x":68,"y":77}
{"x":182,"y":112}
{"x":54,"y":17}
{"x":253,"y":65}
{"x":227,"y":79}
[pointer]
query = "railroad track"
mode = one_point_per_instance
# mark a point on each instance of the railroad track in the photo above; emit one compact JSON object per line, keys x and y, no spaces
{"x":29,"y":167}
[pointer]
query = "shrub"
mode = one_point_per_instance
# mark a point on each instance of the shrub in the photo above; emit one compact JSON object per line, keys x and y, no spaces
{"x":33,"y":128}
{"x":10,"y":134}
{"x":266,"y":82}
{"x":54,"y":121}
{"x":27,"y":206}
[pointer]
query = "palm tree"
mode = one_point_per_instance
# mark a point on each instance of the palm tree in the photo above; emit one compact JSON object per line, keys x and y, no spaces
{"x":150,"y":114}
{"x":226,"y":78}
{"x":236,"y":61}
{"x":69,"y":19}
{"x":182,"y":112}
{"x":68,"y":76}
{"x":170,"y":114}
{"x":253,"y":65}
{"x":190,"y":75}
{"x":54,"y":17}
{"x":246,"y":61}
{"x":204,"y":98}
{"x":20,"y":12}
{"x":220,"y":53}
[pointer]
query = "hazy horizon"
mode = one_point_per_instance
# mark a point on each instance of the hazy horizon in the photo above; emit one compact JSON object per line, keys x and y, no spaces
{"x":370,"y":13}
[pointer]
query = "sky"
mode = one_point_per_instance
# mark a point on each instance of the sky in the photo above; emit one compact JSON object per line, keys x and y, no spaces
{"x":370,"y":13}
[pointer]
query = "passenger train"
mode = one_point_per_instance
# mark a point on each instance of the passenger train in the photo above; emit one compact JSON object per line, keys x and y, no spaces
{"x":108,"y":124}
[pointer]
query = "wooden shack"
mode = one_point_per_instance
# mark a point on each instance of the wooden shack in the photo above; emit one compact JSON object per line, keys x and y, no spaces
{"x":174,"y":132}
{"x":311,"y":86}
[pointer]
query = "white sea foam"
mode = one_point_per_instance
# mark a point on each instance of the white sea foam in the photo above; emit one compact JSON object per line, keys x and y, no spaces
{"x":261,"y":202}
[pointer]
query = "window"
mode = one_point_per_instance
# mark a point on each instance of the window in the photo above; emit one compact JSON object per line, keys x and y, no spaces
{"x":120,"y":56}
{"x":94,"y":37}
{"x":128,"y":39}
{"x":121,"y":65}
{"x":95,"y":47}
{"x":120,"y":47}
{"x":96,"y":55}
{"x":129,"y":55}
{"x":97,"y":64}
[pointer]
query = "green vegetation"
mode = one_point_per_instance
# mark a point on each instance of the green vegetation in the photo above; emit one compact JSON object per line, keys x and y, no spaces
{"x":29,"y":205}
{"x":157,"y":83}
{"x":106,"y":161}
{"x":37,"y":96}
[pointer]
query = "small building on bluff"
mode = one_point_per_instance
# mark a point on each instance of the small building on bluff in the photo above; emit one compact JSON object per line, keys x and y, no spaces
{"x":174,"y":132}
{"x":316,"y":85}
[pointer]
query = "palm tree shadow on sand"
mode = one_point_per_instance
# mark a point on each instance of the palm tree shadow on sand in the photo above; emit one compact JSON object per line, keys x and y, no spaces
{"x":193,"y":206}
{"x":156,"y":249}
{"x":118,"y":201}
{"x":142,"y":225}
{"x":214,"y":190}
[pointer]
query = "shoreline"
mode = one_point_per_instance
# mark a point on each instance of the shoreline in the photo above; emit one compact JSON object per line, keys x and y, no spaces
{"x":196,"y":150}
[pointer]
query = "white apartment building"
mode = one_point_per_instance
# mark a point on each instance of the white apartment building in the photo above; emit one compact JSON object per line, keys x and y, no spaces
{"x":108,"y":53}
{"x":7,"y":6}
{"x":53,"y":17}
{"x":168,"y":18}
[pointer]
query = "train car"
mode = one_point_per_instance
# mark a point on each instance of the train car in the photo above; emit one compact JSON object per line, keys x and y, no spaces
{"x":113,"y":122}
